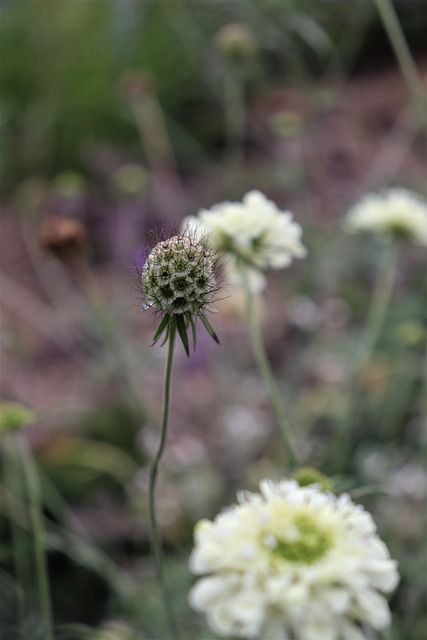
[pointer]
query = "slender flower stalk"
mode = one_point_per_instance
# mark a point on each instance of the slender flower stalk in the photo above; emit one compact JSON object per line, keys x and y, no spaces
{"x":394,"y":215}
{"x":253,"y":236}
{"x":149,"y":118}
{"x":394,"y":31}
{"x":12,"y":477}
{"x":368,"y":340}
{"x":268,"y":376}
{"x":237,"y":46}
{"x":155,"y":538}
{"x":235,"y":124}
{"x":109,"y":332}
{"x":178,"y":281}
{"x":378,"y":307}
{"x":24,"y":478}
{"x":33,"y":490}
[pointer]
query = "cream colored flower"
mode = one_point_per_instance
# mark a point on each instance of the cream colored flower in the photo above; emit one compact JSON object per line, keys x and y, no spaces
{"x":396,"y":213}
{"x":292,"y":562}
{"x":254,"y":235}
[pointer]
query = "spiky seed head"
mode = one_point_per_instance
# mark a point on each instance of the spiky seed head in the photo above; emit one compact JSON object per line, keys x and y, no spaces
{"x":178,"y":276}
{"x":178,"y":280}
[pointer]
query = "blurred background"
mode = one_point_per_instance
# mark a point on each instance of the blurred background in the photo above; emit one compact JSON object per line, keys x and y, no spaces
{"x":122,"y":116}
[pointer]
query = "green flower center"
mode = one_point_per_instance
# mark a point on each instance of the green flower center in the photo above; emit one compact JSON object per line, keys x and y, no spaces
{"x":307,"y":543}
{"x":400,"y":231}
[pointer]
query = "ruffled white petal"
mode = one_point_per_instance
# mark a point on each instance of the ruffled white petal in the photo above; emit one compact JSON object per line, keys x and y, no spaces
{"x":393,"y":213}
{"x":254,"y":235}
{"x":292,"y":561}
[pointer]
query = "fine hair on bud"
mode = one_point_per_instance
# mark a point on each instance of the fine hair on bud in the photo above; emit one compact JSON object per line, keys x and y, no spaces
{"x":179,"y":281}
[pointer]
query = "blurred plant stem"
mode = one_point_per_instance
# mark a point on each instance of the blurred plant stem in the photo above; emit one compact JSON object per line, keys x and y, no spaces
{"x":365,"y":348}
{"x":36,"y":518}
{"x":235,"y":125}
{"x":378,"y":307}
{"x":156,"y":145}
{"x":110,"y":333}
{"x":22,"y":568}
{"x":78,"y":548}
{"x":155,"y":537}
{"x":268,"y":377}
{"x":404,"y":57}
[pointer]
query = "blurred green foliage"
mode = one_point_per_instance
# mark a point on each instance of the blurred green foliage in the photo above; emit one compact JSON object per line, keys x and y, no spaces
{"x":64,"y":63}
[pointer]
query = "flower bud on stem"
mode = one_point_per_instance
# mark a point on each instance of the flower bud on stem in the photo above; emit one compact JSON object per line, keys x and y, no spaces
{"x":178,"y":281}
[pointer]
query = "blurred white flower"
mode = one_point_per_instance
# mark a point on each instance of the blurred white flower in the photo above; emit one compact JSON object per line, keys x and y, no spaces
{"x":254,"y":235}
{"x":292,"y":562}
{"x":395,"y":213}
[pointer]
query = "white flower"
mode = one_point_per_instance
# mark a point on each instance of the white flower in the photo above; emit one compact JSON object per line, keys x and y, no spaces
{"x":396,"y":213}
{"x":292,"y":562}
{"x":253,"y":234}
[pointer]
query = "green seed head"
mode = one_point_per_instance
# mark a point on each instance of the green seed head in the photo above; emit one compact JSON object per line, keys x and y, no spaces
{"x":178,"y":277}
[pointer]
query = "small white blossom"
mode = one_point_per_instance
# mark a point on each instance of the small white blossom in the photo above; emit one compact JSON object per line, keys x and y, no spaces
{"x":292,"y":562}
{"x":254,"y":235}
{"x":395,"y":213}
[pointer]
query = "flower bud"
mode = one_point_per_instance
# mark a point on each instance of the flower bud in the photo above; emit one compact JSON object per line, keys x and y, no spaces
{"x":236,"y":42}
{"x":130,"y":179}
{"x":14,"y":416}
{"x":305,"y":476}
{"x":64,"y":238}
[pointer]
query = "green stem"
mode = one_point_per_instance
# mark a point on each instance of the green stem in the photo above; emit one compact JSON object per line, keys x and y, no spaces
{"x":155,"y":538}
{"x":109,"y":333}
{"x":33,"y":489}
{"x":235,"y":124}
{"x":378,"y":307}
{"x":22,"y":567}
{"x":366,"y":345}
{"x":403,"y":54}
{"x":268,"y":377}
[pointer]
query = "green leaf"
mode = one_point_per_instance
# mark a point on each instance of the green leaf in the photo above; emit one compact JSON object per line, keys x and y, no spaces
{"x":168,"y":332}
{"x":209,"y":328}
{"x":182,"y":330}
{"x":162,"y":326}
{"x":194,"y":332}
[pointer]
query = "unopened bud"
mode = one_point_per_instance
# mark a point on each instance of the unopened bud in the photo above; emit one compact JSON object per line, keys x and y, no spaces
{"x":236,"y":42}
{"x":63,"y":238}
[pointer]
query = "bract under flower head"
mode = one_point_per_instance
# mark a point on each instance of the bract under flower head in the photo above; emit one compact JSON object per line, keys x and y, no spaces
{"x":392,"y":214}
{"x":254,"y":235}
{"x":178,"y":280}
{"x":292,"y":562}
